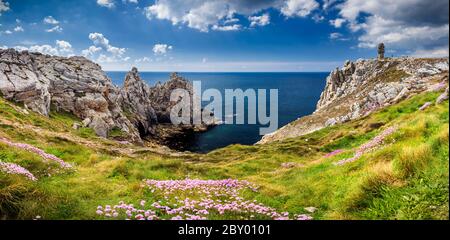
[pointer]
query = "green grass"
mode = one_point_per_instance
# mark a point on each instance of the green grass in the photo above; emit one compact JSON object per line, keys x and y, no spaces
{"x":407,"y":178}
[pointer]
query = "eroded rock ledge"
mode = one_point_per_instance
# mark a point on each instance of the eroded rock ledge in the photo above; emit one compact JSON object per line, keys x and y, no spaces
{"x":359,"y":88}
{"x":43,"y":83}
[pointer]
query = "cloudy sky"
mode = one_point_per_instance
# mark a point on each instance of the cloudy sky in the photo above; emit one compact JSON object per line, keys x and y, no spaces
{"x":225,"y":35}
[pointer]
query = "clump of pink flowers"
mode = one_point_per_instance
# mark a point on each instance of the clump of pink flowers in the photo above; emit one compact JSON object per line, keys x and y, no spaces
{"x":38,"y":151}
{"x":369,"y":146}
{"x":333,"y":153}
{"x":193,"y":199}
{"x":438,"y":87}
{"x":12,"y":168}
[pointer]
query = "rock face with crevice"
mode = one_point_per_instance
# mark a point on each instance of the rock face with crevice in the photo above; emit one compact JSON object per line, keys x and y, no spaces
{"x":160,"y":95}
{"x":76,"y":85}
{"x":359,"y":88}
{"x":134,"y":98}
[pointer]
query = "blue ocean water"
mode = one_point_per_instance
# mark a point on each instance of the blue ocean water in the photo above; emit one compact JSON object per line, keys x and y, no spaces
{"x":298,"y":94}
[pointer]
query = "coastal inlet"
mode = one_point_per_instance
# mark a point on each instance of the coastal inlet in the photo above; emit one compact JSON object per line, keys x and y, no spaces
{"x":303,"y":87}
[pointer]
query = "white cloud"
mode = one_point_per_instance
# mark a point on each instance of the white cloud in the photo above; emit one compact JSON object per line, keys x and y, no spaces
{"x":18,"y":29}
{"x":90,"y":51}
{"x":50,"y":20}
{"x":335,"y":35}
{"x":142,"y":60}
{"x":106,"y":3}
{"x":20,"y":48}
{"x":378,"y":30}
{"x":56,"y":28}
{"x":415,"y":25}
{"x":338,"y":22}
{"x":105,"y":59}
{"x":231,"y":20}
{"x":9,"y":32}
{"x":64,"y":47}
{"x":132,"y":1}
{"x":338,"y":36}
{"x":234,"y":27}
{"x":206,"y":15}
{"x":4,"y":6}
{"x":262,"y":20}
{"x":45,"y":49}
{"x":318,"y":18}
{"x":436,"y":52}
{"x":327,"y":4}
{"x":116,"y":54}
{"x":161,"y":49}
{"x":116,"y":51}
{"x":99,"y":39}
{"x":299,"y":8}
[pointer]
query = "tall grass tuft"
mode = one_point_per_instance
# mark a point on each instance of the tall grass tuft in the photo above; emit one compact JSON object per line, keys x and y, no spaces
{"x":413,"y":159}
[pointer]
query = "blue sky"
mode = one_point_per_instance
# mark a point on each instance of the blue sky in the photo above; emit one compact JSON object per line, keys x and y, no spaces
{"x":225,"y":35}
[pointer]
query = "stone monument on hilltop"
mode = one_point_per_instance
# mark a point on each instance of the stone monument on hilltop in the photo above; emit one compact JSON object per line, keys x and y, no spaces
{"x":381,"y":51}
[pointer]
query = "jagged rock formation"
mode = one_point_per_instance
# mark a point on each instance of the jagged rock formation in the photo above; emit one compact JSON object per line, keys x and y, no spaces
{"x":74,"y":85}
{"x":79,"y":86}
{"x":160,"y":95}
{"x":134,"y":99}
{"x":364,"y":86}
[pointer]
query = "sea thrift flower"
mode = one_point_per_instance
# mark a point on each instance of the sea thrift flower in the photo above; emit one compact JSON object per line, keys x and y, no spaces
{"x":438,"y":87}
{"x":333,"y":153}
{"x":12,"y":168}
{"x":303,"y":217}
{"x":369,"y":146}
{"x":38,"y":151}
{"x":193,"y":199}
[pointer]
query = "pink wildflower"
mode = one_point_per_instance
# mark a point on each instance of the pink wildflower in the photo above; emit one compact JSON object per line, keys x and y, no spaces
{"x":12,"y":168}
{"x":369,"y":146}
{"x":333,"y":153}
{"x":38,"y":151}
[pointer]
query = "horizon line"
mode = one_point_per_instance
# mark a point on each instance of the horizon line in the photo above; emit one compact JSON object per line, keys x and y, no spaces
{"x":149,"y":71}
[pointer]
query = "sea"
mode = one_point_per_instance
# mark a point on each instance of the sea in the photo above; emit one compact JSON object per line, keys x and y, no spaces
{"x":298,"y":94}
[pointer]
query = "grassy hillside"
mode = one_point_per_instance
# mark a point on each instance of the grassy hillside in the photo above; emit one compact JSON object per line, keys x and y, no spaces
{"x":403,"y":176}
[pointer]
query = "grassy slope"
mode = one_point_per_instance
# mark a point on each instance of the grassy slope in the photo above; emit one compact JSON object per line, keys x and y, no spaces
{"x":405,"y":179}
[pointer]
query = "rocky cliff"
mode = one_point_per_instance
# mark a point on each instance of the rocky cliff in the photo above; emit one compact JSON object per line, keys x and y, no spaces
{"x":134,"y":99}
{"x":43,"y":83}
{"x":361,"y":87}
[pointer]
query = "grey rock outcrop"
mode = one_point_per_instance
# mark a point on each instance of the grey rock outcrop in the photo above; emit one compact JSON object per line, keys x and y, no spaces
{"x":160,"y":95}
{"x":76,"y":85}
{"x":134,"y":99}
{"x":442,"y":97}
{"x":358,"y":89}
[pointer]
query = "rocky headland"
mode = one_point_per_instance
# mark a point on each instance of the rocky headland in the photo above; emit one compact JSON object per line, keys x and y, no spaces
{"x":44,"y":83}
{"x":390,"y":164}
{"x":360,"y":88}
